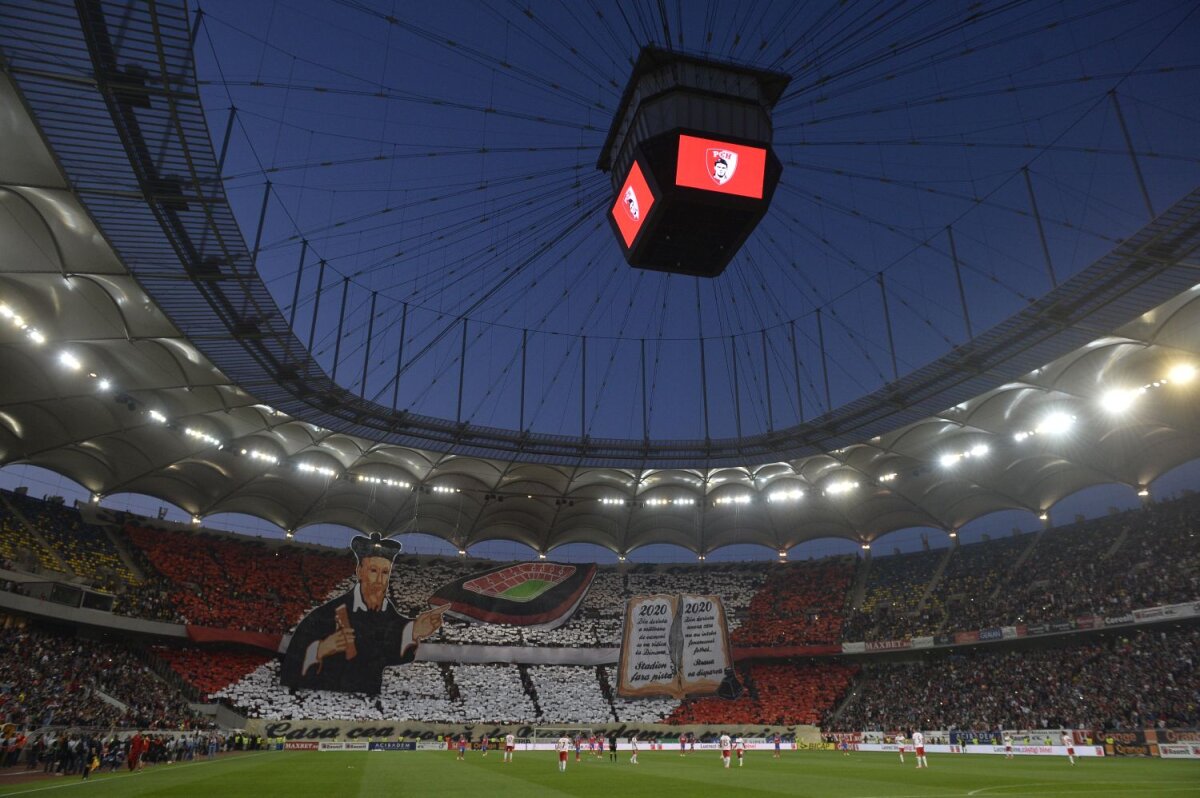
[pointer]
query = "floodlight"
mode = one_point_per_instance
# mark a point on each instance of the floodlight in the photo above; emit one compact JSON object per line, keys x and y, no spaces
{"x":1118,"y":400}
{"x":1055,"y":424}
{"x":1182,"y":373}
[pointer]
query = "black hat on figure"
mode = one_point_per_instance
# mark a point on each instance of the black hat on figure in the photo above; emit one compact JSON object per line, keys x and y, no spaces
{"x":375,"y":546}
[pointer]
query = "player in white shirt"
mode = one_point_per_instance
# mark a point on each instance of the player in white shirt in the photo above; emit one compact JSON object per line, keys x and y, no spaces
{"x":739,"y":745}
{"x":1070,"y":744}
{"x":900,"y":746}
{"x":633,"y":747}
{"x":510,"y":744}
{"x":562,"y":745}
{"x":1008,"y":754}
{"x":919,"y":746}
{"x":725,"y":744}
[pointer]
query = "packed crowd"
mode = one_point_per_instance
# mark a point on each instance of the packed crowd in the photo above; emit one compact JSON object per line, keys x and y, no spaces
{"x":775,"y":694}
{"x":18,"y":546}
{"x":52,"y":679}
{"x":1143,"y":679}
{"x":248,"y":585}
{"x":209,"y":669}
{"x":799,"y":604}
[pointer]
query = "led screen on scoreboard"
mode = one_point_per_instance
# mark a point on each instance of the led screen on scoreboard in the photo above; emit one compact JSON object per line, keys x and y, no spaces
{"x":720,"y":166}
{"x":633,"y":204}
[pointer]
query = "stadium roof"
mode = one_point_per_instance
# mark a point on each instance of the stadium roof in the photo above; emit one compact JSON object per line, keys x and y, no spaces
{"x":134,"y":373}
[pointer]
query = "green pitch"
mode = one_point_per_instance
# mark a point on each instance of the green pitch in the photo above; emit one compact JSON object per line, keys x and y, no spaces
{"x":529,"y":589}
{"x":660,"y":774}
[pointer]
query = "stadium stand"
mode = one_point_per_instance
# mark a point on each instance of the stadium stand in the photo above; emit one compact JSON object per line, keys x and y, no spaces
{"x":208,"y":669}
{"x":219,"y":582}
{"x":798,"y":604}
{"x":893,"y":596}
{"x":1142,"y":679}
{"x":85,"y":548}
{"x":18,"y":546}
{"x":782,"y":694}
{"x":51,"y":678}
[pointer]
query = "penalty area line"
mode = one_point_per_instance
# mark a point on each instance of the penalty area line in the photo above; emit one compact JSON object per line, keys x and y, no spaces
{"x":128,"y":775}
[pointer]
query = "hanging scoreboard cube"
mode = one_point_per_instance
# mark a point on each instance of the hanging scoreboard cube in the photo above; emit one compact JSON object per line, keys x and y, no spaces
{"x":690,"y":156}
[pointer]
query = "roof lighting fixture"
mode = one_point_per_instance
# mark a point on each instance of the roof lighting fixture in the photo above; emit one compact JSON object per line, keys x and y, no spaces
{"x":788,"y":495}
{"x":657,"y":502}
{"x":866,"y":547}
{"x":35,"y":336}
{"x":289,"y":533}
{"x":953,"y":534}
{"x":201,"y":435}
{"x":6,"y":312}
{"x":96,"y":498}
{"x":741,"y":498}
{"x":838,"y":488}
{"x":979,"y":450}
{"x":1020,"y":436}
{"x":462,"y":552}
{"x":70,"y":361}
{"x":309,"y":468}
{"x":264,"y":457}
{"x":1144,"y":492}
{"x":444,"y":489}
{"x":620,"y":558}
{"x":783,"y":554}
{"x":700,"y":557}
{"x":1118,"y":400}
{"x":1055,"y":424}
{"x":104,"y":384}
{"x":1182,"y":373}
{"x":1044,"y":517}
{"x":541,"y":555}
{"x":196,"y":519}
{"x":612,"y":500}
{"x":949,"y":460}
{"x":157,"y":417}
{"x":888,"y":477}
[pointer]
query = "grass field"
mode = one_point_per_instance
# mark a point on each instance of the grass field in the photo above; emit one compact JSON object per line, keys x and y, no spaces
{"x":659,"y":775}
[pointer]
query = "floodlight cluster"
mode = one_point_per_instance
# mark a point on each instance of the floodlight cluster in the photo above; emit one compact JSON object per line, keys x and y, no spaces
{"x":1056,"y":423}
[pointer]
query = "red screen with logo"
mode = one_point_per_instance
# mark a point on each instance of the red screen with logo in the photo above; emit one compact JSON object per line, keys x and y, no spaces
{"x":633,"y":204}
{"x":719,"y":166}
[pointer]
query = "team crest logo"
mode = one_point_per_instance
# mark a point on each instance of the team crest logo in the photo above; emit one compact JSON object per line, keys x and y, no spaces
{"x":631,"y":204}
{"x":721,"y":165}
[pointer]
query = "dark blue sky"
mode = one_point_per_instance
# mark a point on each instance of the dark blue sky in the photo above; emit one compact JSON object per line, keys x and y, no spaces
{"x":437,"y":160}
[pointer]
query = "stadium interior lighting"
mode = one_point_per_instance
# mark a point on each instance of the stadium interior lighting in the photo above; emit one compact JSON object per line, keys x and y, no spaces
{"x":308,"y":468}
{"x":687,"y":501}
{"x":610,"y":500}
{"x":838,"y":488}
{"x":204,"y":436}
{"x":949,"y":460}
{"x":783,"y":554}
{"x":866,"y":546}
{"x":96,"y":497}
{"x":157,"y":417}
{"x":391,"y":483}
{"x":541,"y":555}
{"x":741,"y":498}
{"x":6,"y":312}
{"x":35,"y":336}
{"x":264,"y":457}
{"x":1144,"y":492}
{"x":888,"y":477}
{"x":1055,"y":424}
{"x":789,"y":495}
{"x":953,"y":534}
{"x":104,"y":384}
{"x":1118,"y":400}
{"x":462,"y":552}
{"x":700,"y":557}
{"x":620,"y":558}
{"x":1182,"y":373}
{"x":196,"y":519}
{"x":980,"y":450}
{"x":657,"y":502}
{"x":70,"y":361}
{"x":1044,"y":517}
{"x":1020,"y":436}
